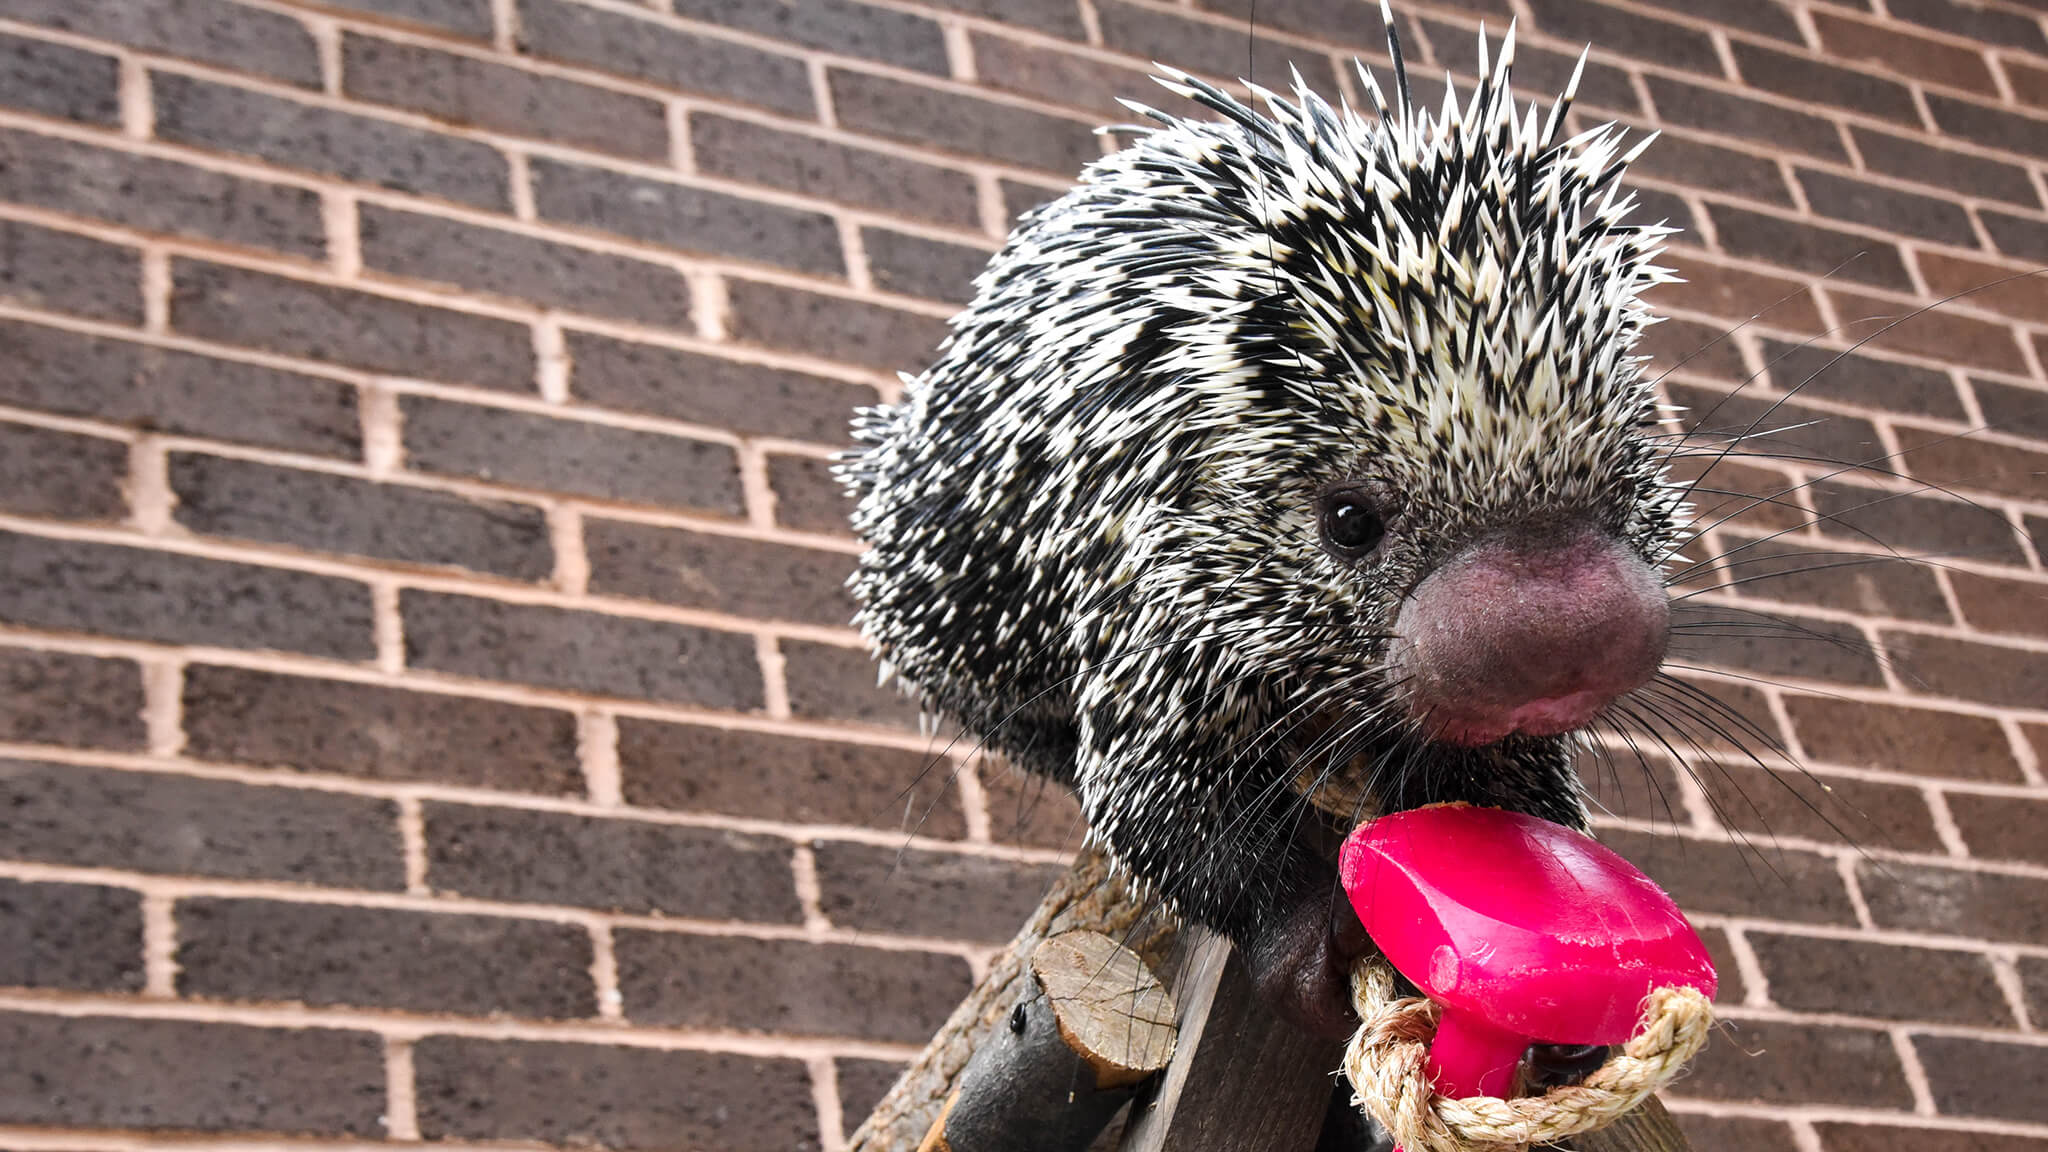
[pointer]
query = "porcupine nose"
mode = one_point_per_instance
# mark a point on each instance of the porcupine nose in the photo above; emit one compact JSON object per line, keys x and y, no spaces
{"x":1533,"y":633}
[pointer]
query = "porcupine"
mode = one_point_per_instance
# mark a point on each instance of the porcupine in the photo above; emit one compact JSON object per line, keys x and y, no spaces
{"x":1291,"y":455}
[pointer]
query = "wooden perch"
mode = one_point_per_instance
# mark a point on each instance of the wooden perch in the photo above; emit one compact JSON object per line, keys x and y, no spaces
{"x":1071,"y":1020}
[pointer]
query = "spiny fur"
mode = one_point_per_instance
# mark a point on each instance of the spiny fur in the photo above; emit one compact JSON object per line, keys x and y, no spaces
{"x":1092,"y":520}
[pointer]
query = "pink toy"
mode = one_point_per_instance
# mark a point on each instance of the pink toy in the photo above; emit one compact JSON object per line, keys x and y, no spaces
{"x":1523,"y":931}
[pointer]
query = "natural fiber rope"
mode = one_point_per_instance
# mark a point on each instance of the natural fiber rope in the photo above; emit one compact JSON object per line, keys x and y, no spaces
{"x":1388,"y":1059}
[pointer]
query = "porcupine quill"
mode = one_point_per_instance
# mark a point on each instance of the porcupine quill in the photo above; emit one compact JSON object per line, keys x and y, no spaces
{"x":1295,"y":466}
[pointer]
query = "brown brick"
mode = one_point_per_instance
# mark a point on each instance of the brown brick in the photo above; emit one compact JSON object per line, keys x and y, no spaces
{"x":623,"y":865}
{"x":1973,"y":21}
{"x":233,"y":36}
{"x":1654,"y":206}
{"x":1985,"y":1078}
{"x":600,"y":1096}
{"x":1930,"y":332}
{"x":1020,"y":196}
{"x":2012,"y":409}
{"x":376,"y":732}
{"x":1876,"y":206}
{"x":322,"y":512}
{"x":673,"y":215}
{"x":1030,"y":810}
{"x":900,"y":110}
{"x":1711,"y":110}
{"x":2029,"y":82}
{"x":916,"y":266}
{"x":666,"y":56}
{"x":807,"y":496}
{"x":2010,"y":607}
{"x":62,"y":698}
{"x":59,"y":80}
{"x":146,"y":822}
{"x":1947,"y":460}
{"x":1679,"y":159}
{"x":1918,"y":741}
{"x":570,"y":456}
{"x":1922,"y":163}
{"x":1951,"y":902}
{"x":508,"y":264}
{"x":1774,"y":644}
{"x":1774,"y":426}
{"x":789,"y":779}
{"x":1766,"y":803}
{"x":109,"y":1072}
{"x":81,"y":586}
{"x":1824,"y":372}
{"x":862,"y":1084}
{"x":829,"y":170}
{"x":1809,"y":247}
{"x":1763,"y":17}
{"x":63,"y":272}
{"x":1057,"y":17}
{"x":1735,"y":1133}
{"x":1930,"y":525}
{"x":1874,"y":585}
{"x":1847,"y":1136}
{"x":843,"y":27}
{"x":1852,"y":977}
{"x":1618,"y":30}
{"x":328,"y":954}
{"x":2033,"y":973}
{"x":672,"y":979}
{"x":2018,"y":236}
{"x":1633,"y":786}
{"x":2021,"y":295}
{"x":61,"y":475}
{"x":1991,"y":127}
{"x":114,"y":380}
{"x":1695,"y":349}
{"x":719,"y":573}
{"x":342,"y":326}
{"x":851,"y":331}
{"x":923,"y":893}
{"x":1899,"y":51}
{"x":1221,"y":50}
{"x":466,"y":18}
{"x":1968,"y":670}
{"x":2002,"y":827}
{"x":580,"y":651}
{"x":1537,"y":70}
{"x":1803,"y":1063}
{"x":1806,"y":79}
{"x":340,"y":144}
{"x":1351,"y":22}
{"x":79,"y":936}
{"x":1726,"y":877}
{"x":751,"y":399}
{"x":1747,"y":498}
{"x":828,"y":682}
{"x":1737,"y":295}
{"x":499,"y":97}
{"x":158,"y":195}
{"x":1057,"y":76}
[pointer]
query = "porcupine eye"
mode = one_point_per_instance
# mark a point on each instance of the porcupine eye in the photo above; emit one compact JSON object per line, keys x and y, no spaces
{"x":1352,"y":525}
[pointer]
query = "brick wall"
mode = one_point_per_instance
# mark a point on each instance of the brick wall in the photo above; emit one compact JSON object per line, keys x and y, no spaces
{"x":428,"y":711}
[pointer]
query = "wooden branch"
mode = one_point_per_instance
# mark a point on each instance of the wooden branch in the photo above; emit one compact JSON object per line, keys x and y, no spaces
{"x":1086,"y":897}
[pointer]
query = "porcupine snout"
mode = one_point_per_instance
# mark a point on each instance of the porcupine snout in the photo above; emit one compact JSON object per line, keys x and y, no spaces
{"x":1530,"y":633}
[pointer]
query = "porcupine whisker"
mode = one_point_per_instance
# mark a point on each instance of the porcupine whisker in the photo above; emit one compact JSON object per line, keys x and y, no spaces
{"x":1653,"y":724}
{"x":1602,"y":751}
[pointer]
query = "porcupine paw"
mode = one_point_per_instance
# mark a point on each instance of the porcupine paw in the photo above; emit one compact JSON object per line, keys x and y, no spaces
{"x":1301,"y":962}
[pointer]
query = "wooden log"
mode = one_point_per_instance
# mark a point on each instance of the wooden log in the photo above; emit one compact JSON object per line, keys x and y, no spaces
{"x":1242,"y":1079}
{"x":1068,"y":1057}
{"x":1088,"y":897}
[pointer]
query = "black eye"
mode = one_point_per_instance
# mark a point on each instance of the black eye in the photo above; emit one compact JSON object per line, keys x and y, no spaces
{"x":1351,"y":523}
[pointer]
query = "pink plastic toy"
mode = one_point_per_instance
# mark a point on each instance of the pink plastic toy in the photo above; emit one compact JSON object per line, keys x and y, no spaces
{"x":1525,"y":932}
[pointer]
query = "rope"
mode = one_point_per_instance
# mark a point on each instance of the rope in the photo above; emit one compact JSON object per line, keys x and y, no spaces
{"x":1387,"y":1064}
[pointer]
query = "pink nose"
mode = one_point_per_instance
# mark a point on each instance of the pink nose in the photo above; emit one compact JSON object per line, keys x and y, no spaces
{"x":1531,"y":635}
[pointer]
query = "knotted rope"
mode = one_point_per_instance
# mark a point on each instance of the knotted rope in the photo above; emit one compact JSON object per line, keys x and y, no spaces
{"x":1387,"y":1065}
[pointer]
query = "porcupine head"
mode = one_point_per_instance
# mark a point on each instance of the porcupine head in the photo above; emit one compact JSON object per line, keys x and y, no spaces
{"x":1294,"y":467}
